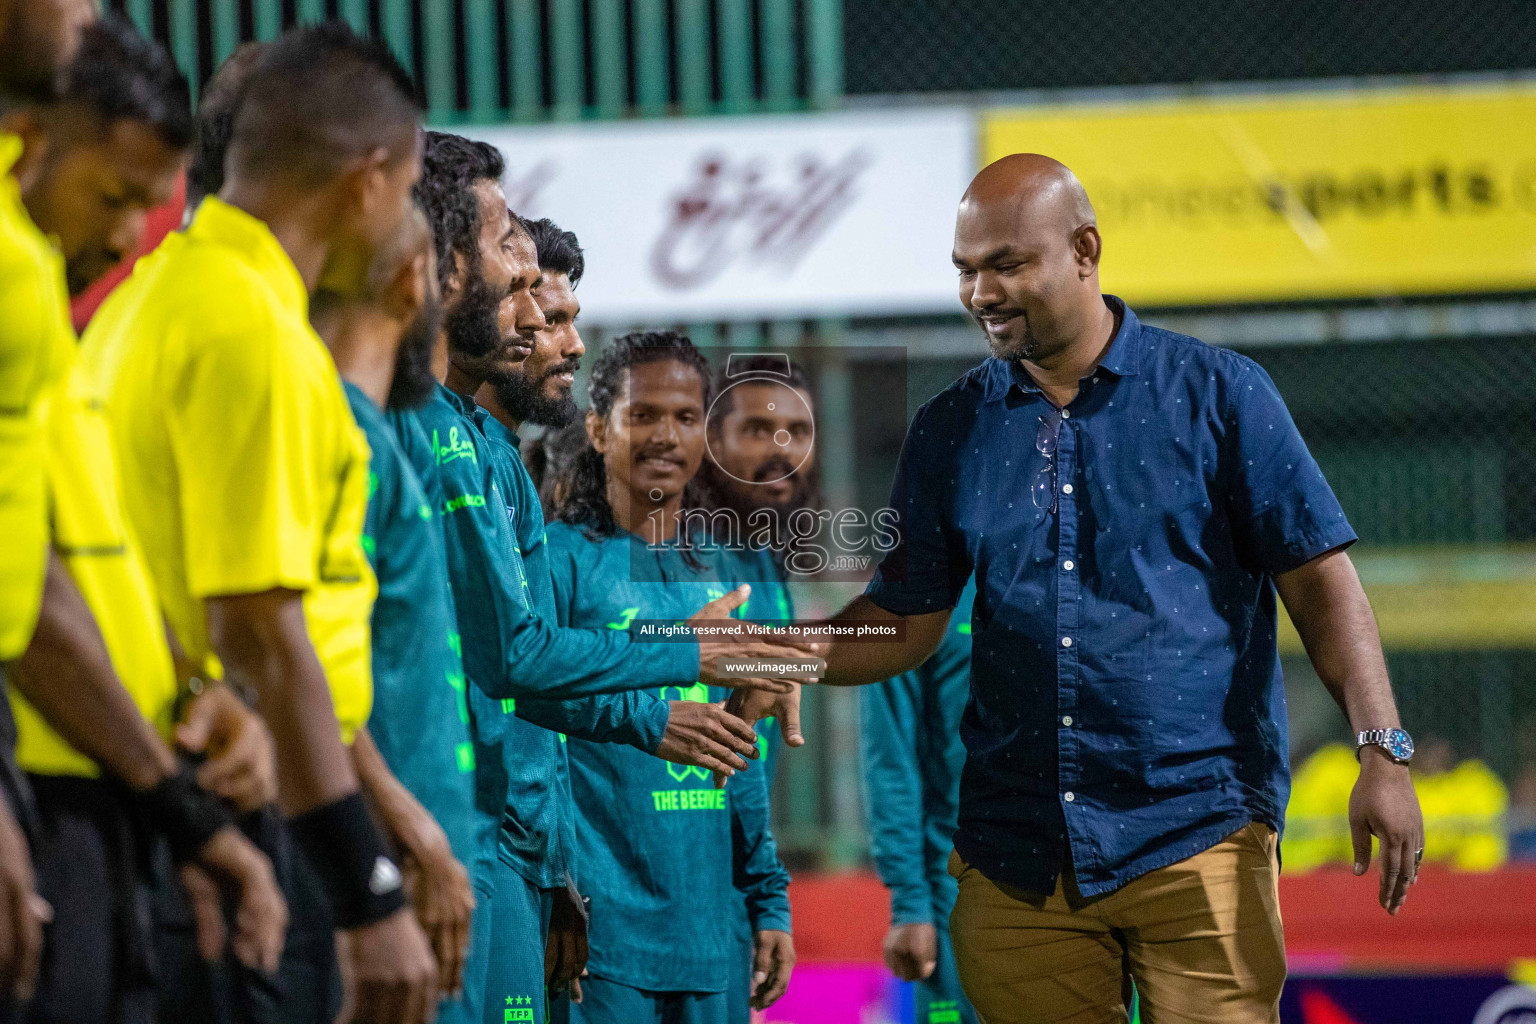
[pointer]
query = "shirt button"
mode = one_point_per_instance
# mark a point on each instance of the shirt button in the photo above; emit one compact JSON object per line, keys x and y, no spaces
{"x":1066,"y":720}
{"x":1066,"y":414}
{"x":1066,"y":488}
{"x":1068,"y":797}
{"x":1069,"y":565}
{"x":1066,"y":641}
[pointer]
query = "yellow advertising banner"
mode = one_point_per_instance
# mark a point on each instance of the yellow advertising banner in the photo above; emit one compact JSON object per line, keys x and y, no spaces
{"x":1317,"y":195}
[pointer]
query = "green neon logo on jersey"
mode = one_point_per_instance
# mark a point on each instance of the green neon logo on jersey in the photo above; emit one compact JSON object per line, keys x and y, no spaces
{"x":456,"y":448}
{"x":518,"y":1009}
{"x":464,"y":501}
{"x":625,"y":619}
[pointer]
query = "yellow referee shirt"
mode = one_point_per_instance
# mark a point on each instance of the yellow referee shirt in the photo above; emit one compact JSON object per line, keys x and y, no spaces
{"x":36,"y":343}
{"x":242,"y":468}
{"x":93,"y":538}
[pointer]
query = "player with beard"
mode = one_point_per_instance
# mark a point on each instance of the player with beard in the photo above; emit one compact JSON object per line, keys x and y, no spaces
{"x":414,"y":759}
{"x":761,"y":468}
{"x":512,"y":650}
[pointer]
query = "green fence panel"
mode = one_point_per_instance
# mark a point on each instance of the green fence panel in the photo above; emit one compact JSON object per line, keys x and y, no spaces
{"x":399,"y":31}
{"x":693,"y":70}
{"x":268,"y":18}
{"x":691,"y":57}
{"x":523,"y":30}
{"x":226,"y":31}
{"x":480,"y":51}
{"x":777,"y":45}
{"x":142,"y":13}
{"x":653,"y":62}
{"x":565,"y":37}
{"x":355,"y":13}
{"x":438,"y":55}
{"x":184,"y":44}
{"x":824,"y":20}
{"x":734,"y":53}
{"x":610,"y":68}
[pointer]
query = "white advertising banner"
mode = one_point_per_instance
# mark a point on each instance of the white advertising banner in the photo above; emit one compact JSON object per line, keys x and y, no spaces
{"x":751,"y":217}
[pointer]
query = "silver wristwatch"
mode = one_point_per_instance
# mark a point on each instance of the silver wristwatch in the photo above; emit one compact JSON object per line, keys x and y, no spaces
{"x":1397,"y":744}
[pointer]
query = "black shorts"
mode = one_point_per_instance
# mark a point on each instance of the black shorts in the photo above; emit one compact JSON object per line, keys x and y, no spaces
{"x":88,"y":855}
{"x":307,"y":987}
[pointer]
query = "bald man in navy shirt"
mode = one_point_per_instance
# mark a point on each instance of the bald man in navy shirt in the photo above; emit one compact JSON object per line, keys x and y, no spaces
{"x":1130,"y":501}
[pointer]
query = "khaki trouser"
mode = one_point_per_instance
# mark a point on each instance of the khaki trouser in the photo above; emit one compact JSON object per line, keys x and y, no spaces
{"x":1201,"y":938}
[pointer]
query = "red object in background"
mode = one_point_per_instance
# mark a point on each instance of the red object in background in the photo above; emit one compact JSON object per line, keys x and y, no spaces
{"x":162,"y":220}
{"x":1451,"y":922}
{"x":1319,"y":1009}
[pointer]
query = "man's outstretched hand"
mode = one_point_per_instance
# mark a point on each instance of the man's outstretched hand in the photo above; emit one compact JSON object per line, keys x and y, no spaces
{"x":752,"y":706}
{"x":755,"y":648}
{"x":1383,"y":804}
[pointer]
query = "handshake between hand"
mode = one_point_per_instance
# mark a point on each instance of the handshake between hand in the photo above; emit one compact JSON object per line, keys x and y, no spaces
{"x":769,"y":663}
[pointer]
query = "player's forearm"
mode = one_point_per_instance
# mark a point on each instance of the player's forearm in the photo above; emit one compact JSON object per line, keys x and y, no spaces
{"x":67,"y":675}
{"x":851,"y":663}
{"x":400,"y":812}
{"x":1329,"y":608}
{"x":263,"y":643}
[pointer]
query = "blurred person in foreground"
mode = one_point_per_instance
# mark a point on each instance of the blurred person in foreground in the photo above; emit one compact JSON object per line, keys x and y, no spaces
{"x":414,"y":758}
{"x":760,"y":471}
{"x":1126,"y":769}
{"x":222,"y":396}
{"x":99,"y":679}
{"x":37,"y":41}
{"x":912,"y":757}
{"x":657,"y":842}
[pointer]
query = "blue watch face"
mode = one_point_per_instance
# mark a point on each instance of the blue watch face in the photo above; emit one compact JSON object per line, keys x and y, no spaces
{"x":1399,"y":744}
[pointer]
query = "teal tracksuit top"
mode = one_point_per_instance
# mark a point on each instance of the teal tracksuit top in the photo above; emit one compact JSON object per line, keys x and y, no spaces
{"x":419,"y":720}
{"x":912,"y":762}
{"x":511,"y":653}
{"x":655,"y":840}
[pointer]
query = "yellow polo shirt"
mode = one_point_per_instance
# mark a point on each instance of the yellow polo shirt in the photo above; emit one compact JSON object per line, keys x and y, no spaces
{"x":93,"y":538}
{"x":36,"y":343}
{"x":243,"y":469}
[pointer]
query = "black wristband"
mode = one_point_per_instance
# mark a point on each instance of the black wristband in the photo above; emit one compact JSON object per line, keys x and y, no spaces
{"x":355,"y":865}
{"x":186,"y":813}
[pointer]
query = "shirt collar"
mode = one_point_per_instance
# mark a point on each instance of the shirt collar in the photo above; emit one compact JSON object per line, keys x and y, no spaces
{"x":499,"y":429}
{"x":1123,"y":358}
{"x":218,"y":222}
{"x":463,"y":404}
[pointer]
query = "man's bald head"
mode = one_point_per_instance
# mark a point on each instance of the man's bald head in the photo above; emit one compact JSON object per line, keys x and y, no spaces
{"x":1027,"y":248}
{"x":1034,"y":186}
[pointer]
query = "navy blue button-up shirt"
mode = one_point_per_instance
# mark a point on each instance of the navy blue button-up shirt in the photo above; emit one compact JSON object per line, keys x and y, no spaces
{"x":1126,"y":699}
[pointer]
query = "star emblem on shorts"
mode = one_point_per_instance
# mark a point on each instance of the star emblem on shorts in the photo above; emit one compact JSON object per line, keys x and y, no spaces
{"x":520,"y":1001}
